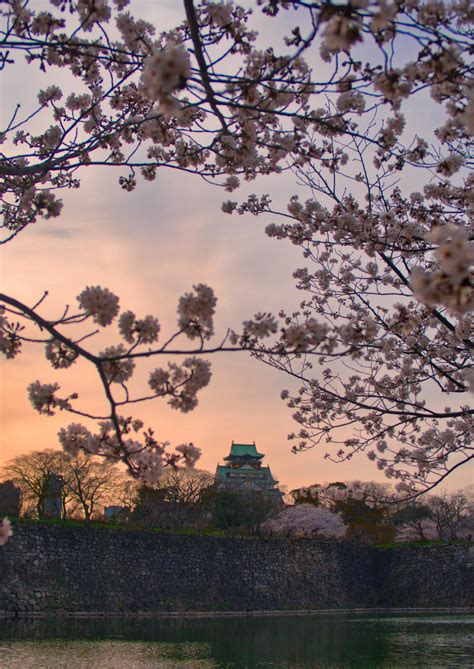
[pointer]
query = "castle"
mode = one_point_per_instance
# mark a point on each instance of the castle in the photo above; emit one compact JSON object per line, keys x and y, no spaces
{"x":243,"y":472}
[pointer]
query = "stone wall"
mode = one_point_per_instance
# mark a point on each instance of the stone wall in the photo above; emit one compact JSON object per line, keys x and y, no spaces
{"x":425,"y":576}
{"x":53,"y":568}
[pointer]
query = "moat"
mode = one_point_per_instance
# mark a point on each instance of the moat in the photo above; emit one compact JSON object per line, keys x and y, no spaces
{"x":289,"y":642}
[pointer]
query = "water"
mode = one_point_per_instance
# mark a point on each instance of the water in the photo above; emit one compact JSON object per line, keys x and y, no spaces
{"x":287,"y":642}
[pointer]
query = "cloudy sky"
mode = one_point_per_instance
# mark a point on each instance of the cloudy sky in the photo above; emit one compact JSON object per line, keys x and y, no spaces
{"x":149,"y":247}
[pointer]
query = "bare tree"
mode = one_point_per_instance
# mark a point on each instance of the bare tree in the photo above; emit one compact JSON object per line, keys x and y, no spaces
{"x":32,"y":472}
{"x":413,"y":521}
{"x":451,"y":514}
{"x":87,"y":483}
{"x":91,"y":483}
{"x":241,"y":511}
{"x":175,"y":500}
{"x":446,"y":517}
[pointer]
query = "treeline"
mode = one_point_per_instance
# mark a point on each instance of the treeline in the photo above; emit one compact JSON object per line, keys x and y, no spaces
{"x":81,"y":486}
{"x":373,"y":512}
{"x":88,"y":488}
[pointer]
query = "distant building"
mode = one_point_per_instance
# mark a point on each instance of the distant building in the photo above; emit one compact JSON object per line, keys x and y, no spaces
{"x":244,"y":472}
{"x":9,"y":499}
{"x":53,"y":497}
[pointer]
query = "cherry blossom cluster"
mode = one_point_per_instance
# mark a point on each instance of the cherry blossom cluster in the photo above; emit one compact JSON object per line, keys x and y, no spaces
{"x":144,"y":331}
{"x":10,"y":342}
{"x":99,"y":303}
{"x":451,"y":284}
{"x":305,"y":521}
{"x":196,"y":311}
{"x":165,"y":70}
{"x":181,"y":382}
{"x":59,"y":354}
{"x":263,"y":325}
{"x":44,"y":400}
{"x":190,"y":453}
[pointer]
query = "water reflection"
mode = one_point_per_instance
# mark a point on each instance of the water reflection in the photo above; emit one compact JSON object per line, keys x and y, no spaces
{"x":289,"y":642}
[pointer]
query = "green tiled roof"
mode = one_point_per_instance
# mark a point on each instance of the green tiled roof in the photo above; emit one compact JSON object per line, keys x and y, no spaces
{"x":245,"y":449}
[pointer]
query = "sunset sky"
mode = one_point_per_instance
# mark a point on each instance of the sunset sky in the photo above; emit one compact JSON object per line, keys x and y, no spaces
{"x":149,"y":247}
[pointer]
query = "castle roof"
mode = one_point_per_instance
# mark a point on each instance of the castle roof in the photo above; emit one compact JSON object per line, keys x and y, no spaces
{"x":243,"y":450}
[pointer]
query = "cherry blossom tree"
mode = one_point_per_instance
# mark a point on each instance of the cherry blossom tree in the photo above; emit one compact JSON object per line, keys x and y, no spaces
{"x":305,"y":520}
{"x":383,"y":338}
{"x":387,"y":312}
{"x":364,"y":506}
